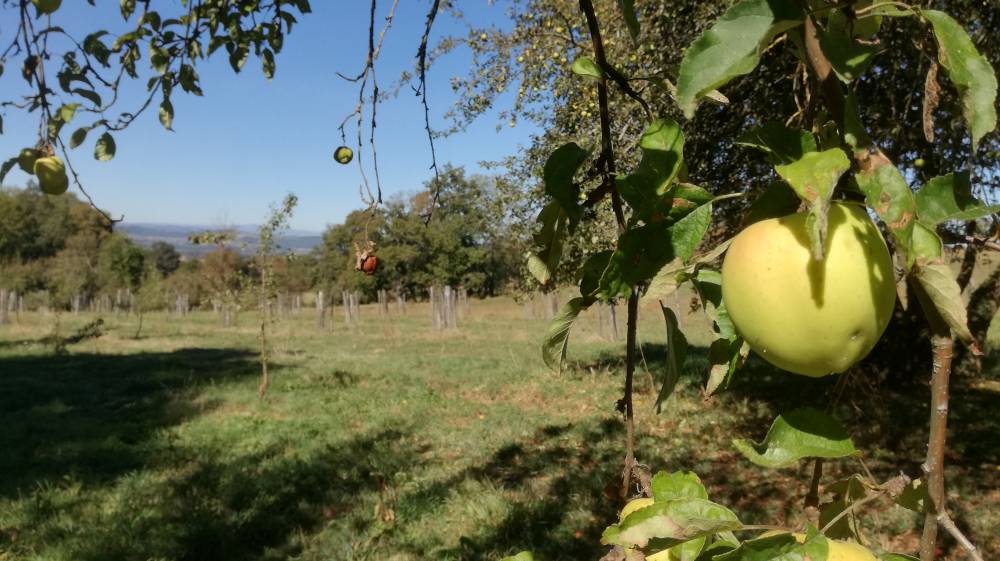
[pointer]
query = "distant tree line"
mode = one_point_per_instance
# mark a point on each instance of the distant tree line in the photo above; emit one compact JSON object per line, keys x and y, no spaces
{"x":461,"y":231}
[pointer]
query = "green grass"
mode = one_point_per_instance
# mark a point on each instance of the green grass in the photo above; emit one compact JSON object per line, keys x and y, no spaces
{"x":391,"y":441}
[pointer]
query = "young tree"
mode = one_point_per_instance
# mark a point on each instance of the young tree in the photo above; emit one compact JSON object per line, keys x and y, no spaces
{"x":267,"y":243}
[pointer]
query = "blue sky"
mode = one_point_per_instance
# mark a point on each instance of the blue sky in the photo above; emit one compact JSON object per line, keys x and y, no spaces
{"x":249,"y":140}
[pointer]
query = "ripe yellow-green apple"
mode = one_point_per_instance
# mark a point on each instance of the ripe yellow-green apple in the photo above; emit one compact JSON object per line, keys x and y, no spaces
{"x":26,"y":159}
{"x":51,"y":175}
{"x":46,"y":6}
{"x":634,"y":505}
{"x":837,"y":550}
{"x":343,"y":155}
{"x":805,"y":316}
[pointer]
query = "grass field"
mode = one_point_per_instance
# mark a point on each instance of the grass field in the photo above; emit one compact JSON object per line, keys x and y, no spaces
{"x":391,"y":441}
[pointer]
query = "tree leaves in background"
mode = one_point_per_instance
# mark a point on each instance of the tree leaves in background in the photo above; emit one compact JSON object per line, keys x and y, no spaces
{"x":558,"y":173}
{"x":813,"y":177}
{"x":949,"y":197}
{"x":557,"y":337}
{"x":783,"y":145}
{"x":668,"y":523}
{"x":971,"y":73}
{"x":105,"y":148}
{"x":731,"y":47}
{"x":803,"y":433}
{"x":677,"y":347}
{"x":725,"y":357}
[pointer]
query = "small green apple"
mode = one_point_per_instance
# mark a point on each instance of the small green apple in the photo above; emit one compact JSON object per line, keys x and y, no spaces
{"x":343,"y":155}
{"x":44,"y":7}
{"x":810,"y":317}
{"x":51,"y":174}
{"x":26,"y":159}
{"x":918,"y":163}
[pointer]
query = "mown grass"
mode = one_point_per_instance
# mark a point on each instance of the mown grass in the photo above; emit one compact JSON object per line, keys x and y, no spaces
{"x":392,"y":441}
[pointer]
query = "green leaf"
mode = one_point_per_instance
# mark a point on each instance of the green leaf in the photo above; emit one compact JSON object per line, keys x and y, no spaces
{"x":89,"y":95}
{"x":777,"y":200}
{"x":586,"y":67}
{"x":677,"y":485}
{"x":627,"y":8}
{"x":78,"y":136}
{"x":725,"y":357}
{"x":687,"y":233}
{"x":914,"y":497}
{"x":803,"y":433}
{"x":640,"y":254}
{"x":940,"y":289}
{"x":888,"y":194}
{"x":676,"y":355}
{"x":267,"y":58}
{"x":543,"y":261}
{"x":68,"y":111}
{"x":782,"y":547}
{"x":6,"y":167}
{"x":671,"y":522}
{"x":558,"y":173}
{"x":949,"y":197}
{"x":813,"y":177}
{"x":925,"y":245}
{"x":592,"y":271}
{"x":523,"y":556}
{"x":886,"y":556}
{"x":732,"y":47}
{"x":708,"y":284}
{"x":167,"y":114}
{"x":237,"y":58}
{"x":969,"y":71}
{"x":845,"y":492}
{"x":848,"y":57}
{"x":782,"y":144}
{"x":855,"y":134}
{"x":557,"y":337}
{"x":159,"y":59}
{"x":105,"y":148}
{"x":646,"y":188}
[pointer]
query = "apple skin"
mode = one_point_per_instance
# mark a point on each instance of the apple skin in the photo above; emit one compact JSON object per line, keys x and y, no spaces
{"x":838,"y":550}
{"x":26,"y":159}
{"x":810,"y":317}
{"x":634,"y":505}
{"x":51,"y":175}
{"x":343,"y":155}
{"x":46,"y":6}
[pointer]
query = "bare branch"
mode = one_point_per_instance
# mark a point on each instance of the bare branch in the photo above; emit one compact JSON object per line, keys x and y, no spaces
{"x":422,"y":92}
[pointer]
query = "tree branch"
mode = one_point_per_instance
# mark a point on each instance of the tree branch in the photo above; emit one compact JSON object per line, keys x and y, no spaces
{"x":422,"y":91}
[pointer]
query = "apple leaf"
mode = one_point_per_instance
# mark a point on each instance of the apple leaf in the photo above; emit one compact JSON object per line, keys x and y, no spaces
{"x":731,"y":47}
{"x":6,"y":167}
{"x":940,"y":291}
{"x":78,"y":136}
{"x":782,"y":547}
{"x":557,"y":337}
{"x":778,"y":199}
{"x":677,"y":485}
{"x":677,"y":347}
{"x":725,"y":357}
{"x":813,"y":177}
{"x":803,"y":433}
{"x":708,"y":285}
{"x":586,"y":67}
{"x":949,"y":197}
{"x":782,"y":144}
{"x":542,"y":261}
{"x":848,"y":57}
{"x":926,"y":245}
{"x":887,"y":556}
{"x":105,"y":148}
{"x":888,"y":194}
{"x":855,"y":134}
{"x":845,"y":492}
{"x":167,"y":114}
{"x":914,"y":497}
{"x":592,"y":271}
{"x":627,"y":8}
{"x":662,"y":146}
{"x":671,"y":522}
{"x":970,"y":71}
{"x":558,"y":174}
{"x":640,"y":254}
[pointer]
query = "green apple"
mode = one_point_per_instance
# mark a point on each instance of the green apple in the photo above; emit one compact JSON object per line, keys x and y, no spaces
{"x":810,"y":317}
{"x":46,"y":6}
{"x":51,"y":175}
{"x":918,"y":163}
{"x":26,"y":159}
{"x":343,"y":155}
{"x":634,"y":505}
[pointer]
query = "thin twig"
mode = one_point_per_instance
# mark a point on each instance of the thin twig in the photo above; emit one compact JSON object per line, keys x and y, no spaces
{"x":422,"y":92}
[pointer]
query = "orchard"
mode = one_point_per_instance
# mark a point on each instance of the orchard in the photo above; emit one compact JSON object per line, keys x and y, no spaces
{"x":804,"y":168}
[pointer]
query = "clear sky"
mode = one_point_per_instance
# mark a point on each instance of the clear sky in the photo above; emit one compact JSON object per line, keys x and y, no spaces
{"x":249,"y":140}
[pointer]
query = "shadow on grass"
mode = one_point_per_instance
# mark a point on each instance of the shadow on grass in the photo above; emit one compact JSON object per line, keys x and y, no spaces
{"x":88,"y":415}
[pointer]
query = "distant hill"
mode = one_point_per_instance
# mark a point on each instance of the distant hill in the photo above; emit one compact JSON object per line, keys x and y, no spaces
{"x":145,"y":234}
